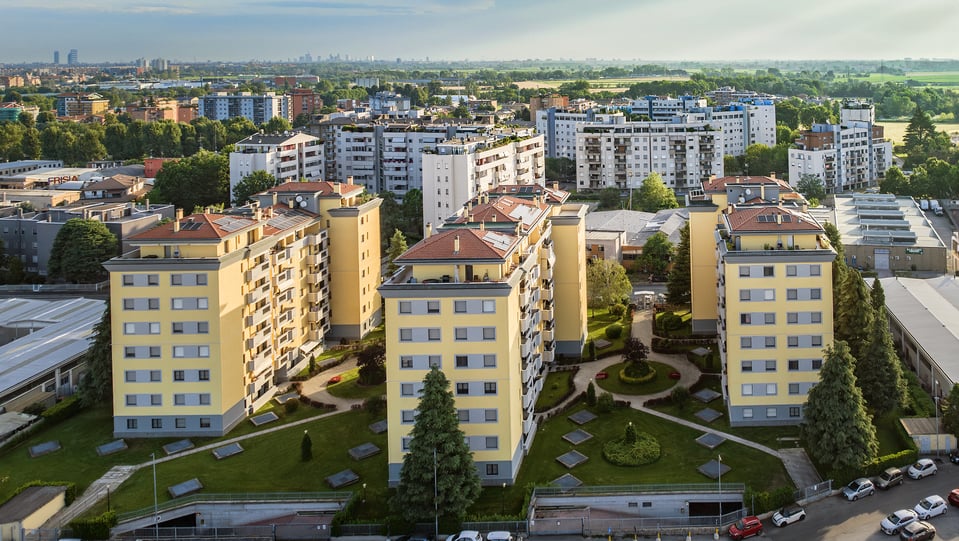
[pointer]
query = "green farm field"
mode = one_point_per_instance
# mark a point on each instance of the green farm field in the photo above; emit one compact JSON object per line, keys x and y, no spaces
{"x":894,"y":131}
{"x":938,"y":78}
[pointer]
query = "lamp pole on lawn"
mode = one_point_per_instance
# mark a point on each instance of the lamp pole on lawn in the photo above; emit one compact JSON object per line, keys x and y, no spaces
{"x":156,"y":512}
{"x":935,"y":396}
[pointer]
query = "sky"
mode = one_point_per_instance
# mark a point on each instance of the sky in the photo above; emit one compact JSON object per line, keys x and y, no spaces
{"x":631,"y":30}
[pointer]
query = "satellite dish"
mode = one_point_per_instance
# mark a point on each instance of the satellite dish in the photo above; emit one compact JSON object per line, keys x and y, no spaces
{"x":299,"y":198}
{"x":303,"y":204}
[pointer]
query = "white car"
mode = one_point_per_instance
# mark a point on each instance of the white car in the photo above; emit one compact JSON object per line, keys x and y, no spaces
{"x":788,"y":515}
{"x":469,"y":535}
{"x":894,"y":522}
{"x":930,"y":506}
{"x":924,"y":467}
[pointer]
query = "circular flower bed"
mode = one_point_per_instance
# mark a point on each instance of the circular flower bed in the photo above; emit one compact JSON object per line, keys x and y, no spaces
{"x":637,"y":372}
{"x":621,"y":452}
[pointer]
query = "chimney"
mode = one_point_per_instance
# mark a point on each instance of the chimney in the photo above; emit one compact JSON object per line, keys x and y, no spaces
{"x":556,"y":186}
{"x":276,"y":198}
{"x":257,"y":214}
{"x":290,"y":202}
{"x":779,"y":219}
{"x":456,"y":244}
{"x":146,"y":202}
{"x":336,"y":188}
{"x":519,"y":228}
{"x":179,"y":214}
{"x":429,"y":230}
{"x":482,"y":226}
{"x":772,"y":174}
{"x":469,"y":217}
{"x":730,"y":208}
{"x":176,"y":223}
{"x":349,"y":180}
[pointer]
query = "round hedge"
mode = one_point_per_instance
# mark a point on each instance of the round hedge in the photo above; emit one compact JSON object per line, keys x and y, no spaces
{"x":645,"y":450}
{"x":636,"y":373}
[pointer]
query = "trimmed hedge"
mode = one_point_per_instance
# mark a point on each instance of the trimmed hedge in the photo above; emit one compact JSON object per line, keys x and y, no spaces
{"x":635,"y":380}
{"x":614,"y":331}
{"x":94,"y":527}
{"x":66,"y":408}
{"x":645,"y":450}
{"x":876,"y":466}
{"x":763,"y":501}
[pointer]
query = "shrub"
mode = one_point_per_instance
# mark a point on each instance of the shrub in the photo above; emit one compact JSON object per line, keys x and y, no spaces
{"x":97,"y":527}
{"x":636,"y":373}
{"x":605,"y":403}
{"x":680,"y":396}
{"x":617,"y":310}
{"x":590,"y":394}
{"x":670,"y":321}
{"x":37,"y":408}
{"x":375,"y":404}
{"x":66,"y":408}
{"x":290,"y":406}
{"x":592,"y":350}
{"x":614,"y":331}
{"x":644,"y":449}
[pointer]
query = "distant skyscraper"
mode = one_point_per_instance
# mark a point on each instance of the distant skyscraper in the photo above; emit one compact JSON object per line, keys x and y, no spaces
{"x":56,"y":58}
{"x":72,"y":58}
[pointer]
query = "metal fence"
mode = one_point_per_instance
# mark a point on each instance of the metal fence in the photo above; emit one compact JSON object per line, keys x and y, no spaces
{"x":649,"y":525}
{"x":55,"y":288}
{"x":815,"y":492}
{"x":271,"y":532}
{"x":230,"y":498}
{"x":540,"y":492}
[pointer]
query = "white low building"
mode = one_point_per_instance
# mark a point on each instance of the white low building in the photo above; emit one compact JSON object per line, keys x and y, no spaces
{"x":287,"y":156}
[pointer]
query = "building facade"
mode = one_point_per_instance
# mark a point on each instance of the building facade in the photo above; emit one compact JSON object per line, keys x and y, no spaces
{"x":81,"y":104}
{"x":218,"y":309}
{"x":559,"y":128}
{"x":460,"y":169}
{"x":490,"y":299}
{"x":620,"y":156}
{"x":304,"y":101}
{"x":257,"y":108}
{"x":851,"y":155}
{"x":286,"y":156}
{"x":762,"y":281}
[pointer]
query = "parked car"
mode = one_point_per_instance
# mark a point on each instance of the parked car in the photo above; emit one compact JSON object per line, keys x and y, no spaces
{"x":895,"y":521}
{"x":924,"y":467}
{"x":917,"y":531}
{"x":954,"y":497}
{"x":930,"y":506}
{"x":889,"y":478}
{"x":954,"y":456}
{"x":746,"y":527}
{"x":788,"y":514}
{"x":499,"y":536}
{"x":859,"y":488}
{"x":469,"y":535}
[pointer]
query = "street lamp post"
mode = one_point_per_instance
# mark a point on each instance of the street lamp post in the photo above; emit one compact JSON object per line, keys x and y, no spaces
{"x":935,"y":396}
{"x":156,"y":512}
{"x":720,"y":471}
{"x":503,"y":502}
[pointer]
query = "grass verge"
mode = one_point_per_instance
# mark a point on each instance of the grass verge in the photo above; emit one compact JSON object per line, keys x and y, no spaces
{"x":556,"y":387}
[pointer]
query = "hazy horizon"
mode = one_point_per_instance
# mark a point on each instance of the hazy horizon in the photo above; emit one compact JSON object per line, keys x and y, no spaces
{"x":480,"y":30}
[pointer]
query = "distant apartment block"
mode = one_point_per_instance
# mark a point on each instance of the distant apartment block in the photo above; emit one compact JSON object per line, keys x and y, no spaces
{"x":77,"y":104}
{"x":851,"y":155}
{"x":665,"y":107}
{"x":559,"y":128}
{"x":304,"y":101}
{"x":26,"y":166}
{"x":286,"y":156}
{"x":460,"y":169}
{"x":730,"y":95}
{"x":73,"y":57}
{"x":744,"y":123}
{"x":257,"y":108}
{"x":214,"y":311}
{"x":762,"y":281}
{"x":491,"y":298}
{"x":620,"y":156}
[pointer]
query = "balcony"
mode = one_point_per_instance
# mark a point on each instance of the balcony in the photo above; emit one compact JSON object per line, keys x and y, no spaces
{"x":547,"y":315}
{"x":548,"y":357}
{"x":314,"y":298}
{"x":284,"y":280}
{"x":260,"y":271}
{"x":314,"y":317}
{"x":548,"y":335}
{"x":547,"y":295}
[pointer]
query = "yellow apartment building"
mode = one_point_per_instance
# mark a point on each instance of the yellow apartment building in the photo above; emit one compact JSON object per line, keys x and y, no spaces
{"x":481,"y":299}
{"x":762,"y":281}
{"x":212,"y":311}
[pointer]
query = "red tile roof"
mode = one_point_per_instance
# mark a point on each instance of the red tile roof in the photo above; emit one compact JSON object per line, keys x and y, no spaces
{"x":473,"y":244}
{"x":770,"y":219}
{"x":503,"y":209}
{"x":323,"y":186}
{"x":719,"y":184}
{"x":220,"y":226}
{"x":552,"y":195}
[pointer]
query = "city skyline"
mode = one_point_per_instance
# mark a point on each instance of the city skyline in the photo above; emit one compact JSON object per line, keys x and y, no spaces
{"x":643,"y":31}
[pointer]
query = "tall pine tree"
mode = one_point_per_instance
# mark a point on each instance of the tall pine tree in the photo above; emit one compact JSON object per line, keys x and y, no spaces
{"x":854,"y":315}
{"x":680,"y":277}
{"x":837,"y":427}
{"x":436,"y":430}
{"x":878,"y":371}
{"x":97,"y":384}
{"x":950,"y":413}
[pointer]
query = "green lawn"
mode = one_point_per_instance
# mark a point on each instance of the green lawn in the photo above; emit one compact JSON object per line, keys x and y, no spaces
{"x":555,"y":388}
{"x":616,"y":386}
{"x":681,"y":456}
{"x":889,"y":432}
{"x":349,"y":386}
{"x":596,"y":325}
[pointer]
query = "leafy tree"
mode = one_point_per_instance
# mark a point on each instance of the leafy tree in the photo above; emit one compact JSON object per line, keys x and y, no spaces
{"x":200,"y":180}
{"x":97,"y":384}
{"x":237,"y":128}
{"x":635,"y":351}
{"x":678,"y":289}
{"x":895,"y":182}
{"x":950,"y":415}
{"x":276,"y":124}
{"x":396,"y":249}
{"x":838,"y":430}
{"x":657,"y":253}
{"x":30,"y":144}
{"x":919,"y":131}
{"x":254,"y":183}
{"x":302,"y":119}
{"x":562,"y":169}
{"x":79,"y":249}
{"x":732,"y":165}
{"x":162,"y":138}
{"x":412,"y":213}
{"x":812,"y":187}
{"x":437,"y":445}
{"x":878,"y":297}
{"x":461,"y":111}
{"x":606,"y":283}
{"x":655,"y":195}
{"x":306,"y":447}
{"x":878,"y":371}
{"x":609,"y":198}
{"x":855,"y":314}
{"x":371,"y":361}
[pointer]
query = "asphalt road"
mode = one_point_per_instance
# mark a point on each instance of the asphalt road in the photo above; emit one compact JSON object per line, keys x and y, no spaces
{"x":835,"y":518}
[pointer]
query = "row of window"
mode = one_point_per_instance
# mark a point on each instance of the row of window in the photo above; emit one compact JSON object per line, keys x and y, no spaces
{"x":177,"y":327}
{"x":769,"y":318}
{"x":772,"y":389}
{"x":476,"y":443}
{"x":154,"y":352}
{"x":434,"y":334}
{"x":766,"y":342}
{"x":769,"y":271}
{"x":178,"y":279}
{"x":176,"y":303}
{"x":157,"y":423}
{"x":463,"y":415}
{"x":794,"y":365}
{"x":472,"y":306}
{"x":771,"y":413}
{"x":425,"y":362}
{"x":463,"y":388}
{"x":179,"y":399}
{"x":154,"y":376}
{"x":792,"y":294}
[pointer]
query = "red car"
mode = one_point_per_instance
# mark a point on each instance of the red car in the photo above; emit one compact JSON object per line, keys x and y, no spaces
{"x":746,"y":527}
{"x":954,"y":497}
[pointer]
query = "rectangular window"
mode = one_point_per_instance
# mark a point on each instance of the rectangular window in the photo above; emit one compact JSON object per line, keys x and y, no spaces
{"x":769,"y":318}
{"x":179,"y":400}
{"x":489,"y":333}
{"x":202,"y":303}
{"x":770,"y":412}
{"x":747,"y":389}
{"x":489,"y":361}
{"x":435,"y":361}
{"x":744,"y":294}
{"x":129,"y":304}
{"x":815,"y":293}
{"x":770,"y":366}
{"x":460,"y":333}
{"x":154,"y":352}
{"x":746,"y":319}
{"x":767,"y":271}
{"x":793,"y":388}
{"x":816,"y":317}
{"x":408,"y":416}
{"x":433,"y":335}
{"x":128,"y":279}
{"x":406,"y":361}
{"x":131,"y":424}
{"x":156,"y":423}
{"x":156,"y":400}
{"x":129,"y":352}
{"x":203,"y":327}
{"x":747,"y":413}
{"x":489,"y":307}
{"x":406,"y":307}
{"x":492,"y":470}
{"x":462,"y":388}
{"x":130,"y":376}
{"x":794,"y":412}
{"x":489,"y":387}
{"x":790,"y":270}
{"x":432,"y":307}
{"x":176,"y":279}
{"x":462,"y":361}
{"x":178,"y":375}
{"x":490,"y":416}
{"x":771,"y":389}
{"x":459,"y":307}
{"x":743,"y":271}
{"x":154,"y":375}
{"x":745,"y":342}
{"x":204,"y":399}
{"x":792,"y":294}
{"x":153,"y":279}
{"x":746,"y":366}
{"x":792,"y":341}
{"x":406,"y":389}
{"x":177,"y":327}
{"x":814,"y":270}
{"x":204,"y":422}
{"x":793,"y":365}
{"x":817,"y":341}
{"x":201,"y":279}
{"x":492,"y":442}
{"x":153,"y":304}
{"x":792,"y":318}
{"x":463,"y":416}
{"x":180,"y":422}
{"x":406,"y":335}
{"x":770,"y":341}
{"x":204,"y":375}
{"x":817,"y":364}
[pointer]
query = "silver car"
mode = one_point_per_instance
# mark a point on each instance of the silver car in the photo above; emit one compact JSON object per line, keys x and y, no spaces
{"x":859,"y":488}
